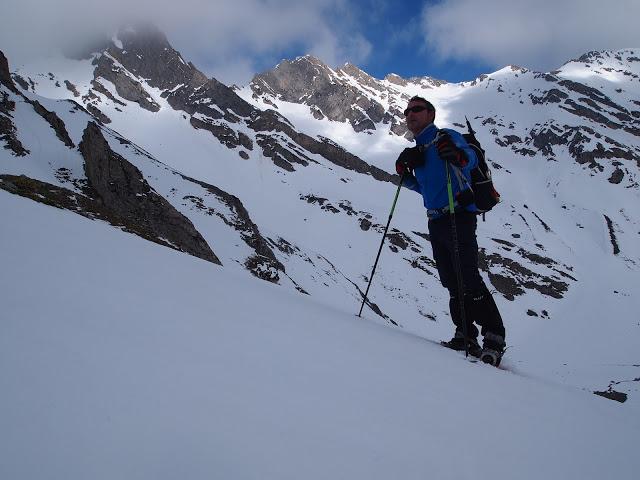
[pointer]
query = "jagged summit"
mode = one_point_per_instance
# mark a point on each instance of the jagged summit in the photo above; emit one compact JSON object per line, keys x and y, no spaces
{"x":145,"y":51}
{"x":347,"y":94}
{"x":627,"y":55}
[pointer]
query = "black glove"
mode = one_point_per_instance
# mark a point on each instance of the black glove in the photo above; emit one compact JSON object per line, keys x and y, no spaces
{"x":448,"y":151}
{"x":409,"y":159}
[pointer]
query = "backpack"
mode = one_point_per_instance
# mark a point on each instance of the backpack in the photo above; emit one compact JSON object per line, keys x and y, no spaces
{"x":485,"y":195}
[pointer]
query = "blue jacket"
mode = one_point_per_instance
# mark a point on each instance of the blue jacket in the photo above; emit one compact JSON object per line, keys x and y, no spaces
{"x":430,"y":179}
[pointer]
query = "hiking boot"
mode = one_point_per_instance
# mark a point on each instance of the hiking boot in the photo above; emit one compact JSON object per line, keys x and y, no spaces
{"x":458,"y":343}
{"x":492,"y":349}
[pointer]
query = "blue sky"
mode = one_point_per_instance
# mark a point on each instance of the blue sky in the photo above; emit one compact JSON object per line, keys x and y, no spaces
{"x":395,"y":38}
{"x":452,"y":40}
{"x":398,"y":44}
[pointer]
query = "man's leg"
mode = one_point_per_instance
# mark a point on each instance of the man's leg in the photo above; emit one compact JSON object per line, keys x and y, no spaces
{"x":487,"y":314}
{"x":441,"y":244}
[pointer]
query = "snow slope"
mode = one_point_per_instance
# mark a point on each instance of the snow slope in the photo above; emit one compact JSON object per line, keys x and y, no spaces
{"x":123,"y":359}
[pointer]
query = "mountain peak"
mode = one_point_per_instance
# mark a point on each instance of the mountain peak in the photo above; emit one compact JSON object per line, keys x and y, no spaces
{"x":356,"y":72}
{"x":145,"y":51}
{"x":142,"y":34}
{"x":396,"y":79}
{"x":308,"y":59}
{"x":626,"y":56}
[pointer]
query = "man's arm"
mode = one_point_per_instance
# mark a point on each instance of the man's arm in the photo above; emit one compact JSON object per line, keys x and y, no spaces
{"x":459,"y":153}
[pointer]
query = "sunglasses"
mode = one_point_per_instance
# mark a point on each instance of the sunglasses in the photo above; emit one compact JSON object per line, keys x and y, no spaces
{"x":414,"y":109}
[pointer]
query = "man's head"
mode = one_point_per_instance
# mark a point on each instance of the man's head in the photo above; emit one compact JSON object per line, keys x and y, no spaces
{"x":419,"y":114}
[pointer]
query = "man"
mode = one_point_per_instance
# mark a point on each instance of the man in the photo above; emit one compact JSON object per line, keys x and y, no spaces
{"x":424,"y":168}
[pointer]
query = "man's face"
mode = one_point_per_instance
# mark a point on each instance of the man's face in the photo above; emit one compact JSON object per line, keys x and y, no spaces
{"x":418,"y":120}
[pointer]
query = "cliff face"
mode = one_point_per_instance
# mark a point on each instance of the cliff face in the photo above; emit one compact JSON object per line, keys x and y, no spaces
{"x":120,"y":188}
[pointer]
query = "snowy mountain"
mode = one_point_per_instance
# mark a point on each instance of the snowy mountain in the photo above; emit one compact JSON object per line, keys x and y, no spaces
{"x":605,"y":99}
{"x":287,"y":180}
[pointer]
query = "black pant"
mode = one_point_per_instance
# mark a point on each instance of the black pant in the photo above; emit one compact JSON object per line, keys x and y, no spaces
{"x":479,"y":306}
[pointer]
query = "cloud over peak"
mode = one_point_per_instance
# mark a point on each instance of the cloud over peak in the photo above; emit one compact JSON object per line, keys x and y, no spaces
{"x":540,"y":35}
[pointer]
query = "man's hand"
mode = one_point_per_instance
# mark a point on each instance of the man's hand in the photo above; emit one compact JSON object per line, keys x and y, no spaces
{"x":449,"y":152}
{"x":409,"y":159}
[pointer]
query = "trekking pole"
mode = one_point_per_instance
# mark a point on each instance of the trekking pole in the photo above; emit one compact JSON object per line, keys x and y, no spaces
{"x":393,"y":207}
{"x":456,"y":260}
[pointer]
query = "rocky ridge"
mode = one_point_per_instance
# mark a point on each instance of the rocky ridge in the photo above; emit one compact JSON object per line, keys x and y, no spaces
{"x":346,"y":94}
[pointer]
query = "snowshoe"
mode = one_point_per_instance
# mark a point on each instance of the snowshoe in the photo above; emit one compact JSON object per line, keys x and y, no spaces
{"x":492,"y":349}
{"x":458,"y":343}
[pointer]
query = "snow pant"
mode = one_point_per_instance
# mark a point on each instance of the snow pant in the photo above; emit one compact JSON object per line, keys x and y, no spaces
{"x":479,"y":306}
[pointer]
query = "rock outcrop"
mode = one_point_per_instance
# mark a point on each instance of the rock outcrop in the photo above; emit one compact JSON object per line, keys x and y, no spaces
{"x":5,"y":75}
{"x":121,"y":189}
{"x":307,"y":80}
{"x":7,"y":106}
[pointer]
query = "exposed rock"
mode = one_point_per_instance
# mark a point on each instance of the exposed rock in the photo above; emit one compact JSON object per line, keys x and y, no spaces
{"x":514,"y":278}
{"x":81,"y":204}
{"x":97,"y":113}
{"x":365,"y":224}
{"x":211,"y":99}
{"x":551,"y":96}
{"x":282,"y":157}
{"x":21,"y":81}
{"x":307,"y":80}
{"x":613,"y":395}
{"x":323,"y":202}
{"x":612,"y":235}
{"x":396,"y":79}
{"x":581,"y":111}
{"x":424,"y":263}
{"x":592,"y":93}
{"x":98,"y":87}
{"x":617,"y":176}
{"x":223,"y":132}
{"x":147,"y":54}
{"x":72,"y":88}
{"x":270,"y":121}
{"x":127,"y":87}
{"x":263,"y":263}
{"x":8,"y":129}
{"x":5,"y":75}
{"x":56,"y":123}
{"x":546,"y":137}
{"x":123,"y":191}
{"x":398,"y":239}
{"x":7,"y":106}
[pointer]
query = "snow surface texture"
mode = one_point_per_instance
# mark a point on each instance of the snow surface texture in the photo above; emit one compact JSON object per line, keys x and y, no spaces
{"x":121,"y":353}
{"x":123,"y":359}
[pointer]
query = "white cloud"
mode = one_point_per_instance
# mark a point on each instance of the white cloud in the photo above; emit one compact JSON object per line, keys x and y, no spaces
{"x":226,"y":39}
{"x":540,"y":34}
